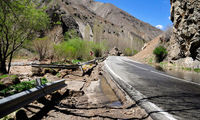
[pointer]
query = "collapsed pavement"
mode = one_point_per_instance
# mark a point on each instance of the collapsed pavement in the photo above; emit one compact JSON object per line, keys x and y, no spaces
{"x":92,"y":96}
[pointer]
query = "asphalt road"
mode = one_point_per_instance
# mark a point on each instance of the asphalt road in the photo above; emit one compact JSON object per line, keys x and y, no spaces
{"x":179,"y":98}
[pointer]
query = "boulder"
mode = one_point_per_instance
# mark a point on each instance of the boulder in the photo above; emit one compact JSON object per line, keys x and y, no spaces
{"x":115,"y":52}
{"x":188,"y":62}
{"x":48,"y":70}
{"x":64,"y":72}
{"x":36,"y":71}
{"x":10,"y":80}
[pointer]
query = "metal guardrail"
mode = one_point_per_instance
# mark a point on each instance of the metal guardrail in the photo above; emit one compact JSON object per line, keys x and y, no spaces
{"x":89,"y":62}
{"x":55,"y":66}
{"x":67,"y":66}
{"x":14,"y":102}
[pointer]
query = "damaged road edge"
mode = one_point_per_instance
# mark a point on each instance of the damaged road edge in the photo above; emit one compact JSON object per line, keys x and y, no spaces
{"x":153,"y":111}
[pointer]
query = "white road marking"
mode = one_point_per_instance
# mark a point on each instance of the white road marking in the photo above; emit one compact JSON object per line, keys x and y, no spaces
{"x":159,"y":73}
{"x":166,"y":114}
{"x":128,"y":59}
{"x":138,"y":67}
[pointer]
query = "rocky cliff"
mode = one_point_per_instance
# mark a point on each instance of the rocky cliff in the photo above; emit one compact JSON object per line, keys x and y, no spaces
{"x":101,"y":22}
{"x":185,"y":14}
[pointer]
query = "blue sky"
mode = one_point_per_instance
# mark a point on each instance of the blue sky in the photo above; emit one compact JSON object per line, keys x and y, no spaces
{"x":154,"y":12}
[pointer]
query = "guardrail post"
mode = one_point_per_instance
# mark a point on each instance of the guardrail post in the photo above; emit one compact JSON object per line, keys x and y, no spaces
{"x":38,"y":81}
{"x":81,"y":68}
{"x":96,"y":62}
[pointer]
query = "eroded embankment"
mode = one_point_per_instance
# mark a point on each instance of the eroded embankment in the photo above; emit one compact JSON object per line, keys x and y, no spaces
{"x":93,"y":96}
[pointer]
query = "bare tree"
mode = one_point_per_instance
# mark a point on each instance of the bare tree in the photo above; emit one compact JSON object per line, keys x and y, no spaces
{"x":42,"y":47}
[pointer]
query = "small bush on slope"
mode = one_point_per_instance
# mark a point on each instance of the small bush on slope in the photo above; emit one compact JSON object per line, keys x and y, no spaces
{"x":160,"y":52}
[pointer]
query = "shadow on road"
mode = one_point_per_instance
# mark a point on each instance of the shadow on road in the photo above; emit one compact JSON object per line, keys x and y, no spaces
{"x":181,"y":103}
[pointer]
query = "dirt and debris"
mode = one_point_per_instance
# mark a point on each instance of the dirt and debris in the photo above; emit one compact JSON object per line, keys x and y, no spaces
{"x":146,"y":55}
{"x":84,"y":98}
{"x":115,"y":52}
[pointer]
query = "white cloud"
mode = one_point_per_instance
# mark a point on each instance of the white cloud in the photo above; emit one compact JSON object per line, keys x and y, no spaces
{"x":159,"y":27}
{"x":169,"y":18}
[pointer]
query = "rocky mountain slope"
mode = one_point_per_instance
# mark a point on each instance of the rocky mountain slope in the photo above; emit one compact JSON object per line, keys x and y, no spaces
{"x":184,"y":44}
{"x":102,"y":22}
{"x":185,"y":14}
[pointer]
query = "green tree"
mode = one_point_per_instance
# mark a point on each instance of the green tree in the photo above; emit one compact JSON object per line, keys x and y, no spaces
{"x":19,"y":20}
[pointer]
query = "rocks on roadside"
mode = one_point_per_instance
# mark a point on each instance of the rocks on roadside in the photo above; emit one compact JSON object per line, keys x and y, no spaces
{"x":42,"y":72}
{"x":36,"y":71}
{"x":10,"y":80}
{"x":48,"y":70}
{"x":74,"y":88}
{"x":51,"y":77}
{"x":63,"y":73}
{"x":115,"y":52}
{"x":187,"y":62}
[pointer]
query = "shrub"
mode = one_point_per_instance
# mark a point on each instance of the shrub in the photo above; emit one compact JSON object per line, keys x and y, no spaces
{"x":78,"y":49}
{"x":71,"y":49}
{"x":160,"y":52}
{"x":75,"y":61}
{"x":3,"y":76}
{"x":57,"y":23}
{"x":197,"y":70}
{"x":71,"y":34}
{"x":26,"y":85}
{"x":42,"y":46}
{"x":98,"y":49}
{"x":129,"y":52}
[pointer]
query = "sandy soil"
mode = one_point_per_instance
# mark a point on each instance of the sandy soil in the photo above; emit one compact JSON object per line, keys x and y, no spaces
{"x":147,"y":53}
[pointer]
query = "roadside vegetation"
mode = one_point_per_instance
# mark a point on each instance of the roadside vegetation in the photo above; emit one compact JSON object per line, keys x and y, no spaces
{"x":160,"y":53}
{"x":78,"y":49}
{"x":129,"y":52}
{"x":71,"y":49}
{"x":22,"y":86}
{"x":20,"y":20}
{"x":197,"y":70}
{"x":42,"y":46}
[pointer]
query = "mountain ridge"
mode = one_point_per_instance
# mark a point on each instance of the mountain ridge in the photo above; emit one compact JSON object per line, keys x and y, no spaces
{"x":96,"y":21}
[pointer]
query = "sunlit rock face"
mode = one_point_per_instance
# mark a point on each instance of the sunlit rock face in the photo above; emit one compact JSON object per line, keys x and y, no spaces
{"x":102,"y":22}
{"x":185,"y":14}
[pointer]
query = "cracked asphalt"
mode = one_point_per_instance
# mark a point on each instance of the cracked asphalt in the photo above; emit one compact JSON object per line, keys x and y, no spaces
{"x":175,"y":96}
